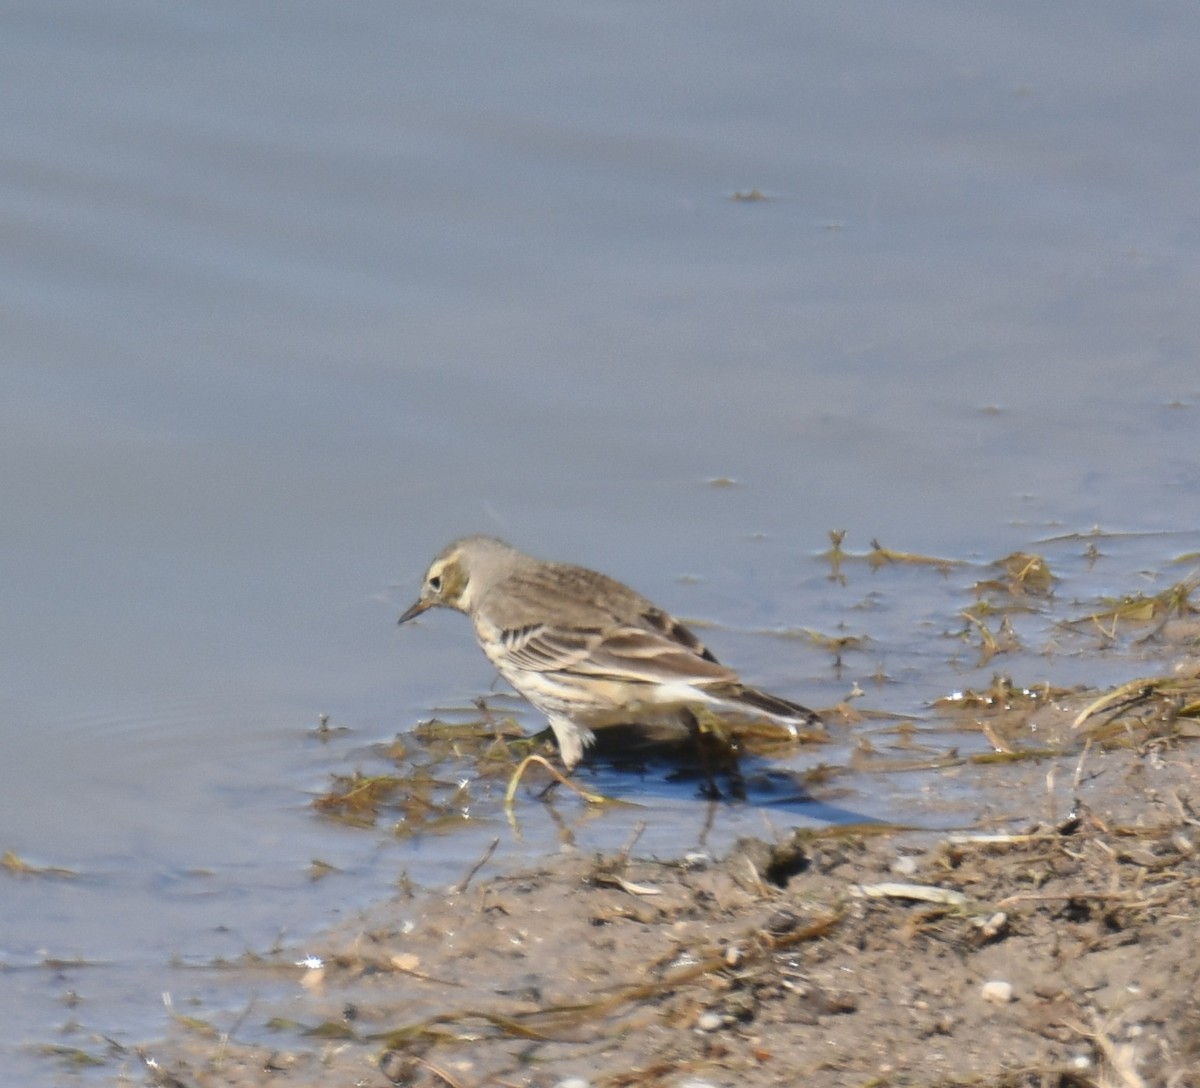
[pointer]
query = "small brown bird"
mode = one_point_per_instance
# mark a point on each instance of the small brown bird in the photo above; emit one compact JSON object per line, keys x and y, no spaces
{"x":583,"y":648}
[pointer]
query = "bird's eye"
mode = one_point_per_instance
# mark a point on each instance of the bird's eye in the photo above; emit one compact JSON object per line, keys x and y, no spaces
{"x":435,"y":583}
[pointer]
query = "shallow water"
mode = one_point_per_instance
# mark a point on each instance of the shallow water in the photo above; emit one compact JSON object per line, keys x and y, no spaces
{"x":290,"y":303}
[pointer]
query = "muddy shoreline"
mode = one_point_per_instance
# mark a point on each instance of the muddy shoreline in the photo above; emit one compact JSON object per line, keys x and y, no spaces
{"x":1028,"y":953}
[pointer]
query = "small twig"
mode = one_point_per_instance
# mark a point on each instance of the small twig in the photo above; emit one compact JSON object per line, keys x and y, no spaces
{"x":627,"y":849}
{"x":461,"y":886}
{"x":1087,"y":747}
{"x":241,"y":1017}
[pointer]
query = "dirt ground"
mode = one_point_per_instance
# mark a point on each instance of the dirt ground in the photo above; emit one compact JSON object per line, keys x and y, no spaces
{"x":1061,"y":953}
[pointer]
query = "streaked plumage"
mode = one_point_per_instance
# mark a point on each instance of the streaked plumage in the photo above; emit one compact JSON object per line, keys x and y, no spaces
{"x":583,"y":648}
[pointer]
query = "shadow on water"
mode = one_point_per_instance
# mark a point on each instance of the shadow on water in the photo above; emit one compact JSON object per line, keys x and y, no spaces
{"x":628,"y":766}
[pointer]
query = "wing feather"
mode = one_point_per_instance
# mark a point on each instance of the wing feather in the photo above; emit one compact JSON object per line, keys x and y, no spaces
{"x":622,"y":652}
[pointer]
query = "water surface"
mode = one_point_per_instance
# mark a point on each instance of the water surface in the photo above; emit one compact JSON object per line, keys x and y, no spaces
{"x":293,"y":296}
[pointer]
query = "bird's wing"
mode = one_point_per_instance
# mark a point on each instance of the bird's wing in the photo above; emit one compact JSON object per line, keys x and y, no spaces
{"x":657,"y":650}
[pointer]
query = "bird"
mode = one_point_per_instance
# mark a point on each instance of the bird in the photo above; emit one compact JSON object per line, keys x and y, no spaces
{"x":585,"y":649}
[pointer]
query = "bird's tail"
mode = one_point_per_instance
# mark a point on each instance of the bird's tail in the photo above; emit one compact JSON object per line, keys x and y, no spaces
{"x":759,"y":704}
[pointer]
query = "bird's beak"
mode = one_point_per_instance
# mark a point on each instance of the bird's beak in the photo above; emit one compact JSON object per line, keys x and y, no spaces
{"x":416,"y":610}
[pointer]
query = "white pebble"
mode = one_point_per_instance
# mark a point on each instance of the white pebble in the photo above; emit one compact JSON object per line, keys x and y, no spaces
{"x":997,"y":991}
{"x":905,"y":865}
{"x":709,"y":1021}
{"x":574,"y":1082}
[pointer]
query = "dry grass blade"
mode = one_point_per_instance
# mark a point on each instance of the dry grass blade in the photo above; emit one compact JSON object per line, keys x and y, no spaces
{"x":880,"y":556}
{"x":1139,"y":610}
{"x":73,"y":1057}
{"x":1127,"y":695}
{"x":1180,"y":696}
{"x":18,"y":865}
{"x":988,"y":646}
{"x":921,"y":893}
{"x":441,"y":1073}
{"x":511,"y":793}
